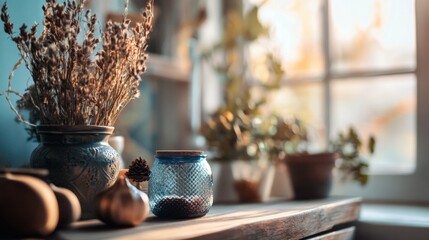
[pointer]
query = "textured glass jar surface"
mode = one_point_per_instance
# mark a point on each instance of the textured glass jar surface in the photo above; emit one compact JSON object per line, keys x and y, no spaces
{"x":180,"y":186}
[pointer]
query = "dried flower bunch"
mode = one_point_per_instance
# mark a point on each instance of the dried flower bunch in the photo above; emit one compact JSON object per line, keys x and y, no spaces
{"x":79,"y":79}
{"x":139,"y":170}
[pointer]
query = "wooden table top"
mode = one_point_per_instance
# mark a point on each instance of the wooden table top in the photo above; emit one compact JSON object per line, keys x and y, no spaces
{"x":273,"y":220}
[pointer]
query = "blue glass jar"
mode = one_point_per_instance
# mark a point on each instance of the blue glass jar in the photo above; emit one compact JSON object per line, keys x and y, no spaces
{"x":180,"y":185}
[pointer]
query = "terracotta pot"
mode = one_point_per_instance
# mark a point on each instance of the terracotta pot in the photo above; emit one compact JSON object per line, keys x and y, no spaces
{"x":311,"y":174}
{"x":78,"y":158}
{"x":242,"y":181}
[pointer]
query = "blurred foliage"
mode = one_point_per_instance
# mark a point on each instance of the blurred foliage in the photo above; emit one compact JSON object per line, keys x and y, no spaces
{"x":237,"y":130}
{"x":351,"y":164}
{"x":228,"y":57}
{"x":230,"y":133}
{"x":281,"y":136}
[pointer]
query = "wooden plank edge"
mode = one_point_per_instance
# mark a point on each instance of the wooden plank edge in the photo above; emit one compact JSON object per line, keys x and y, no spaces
{"x":295,"y":226}
{"x":343,"y":234}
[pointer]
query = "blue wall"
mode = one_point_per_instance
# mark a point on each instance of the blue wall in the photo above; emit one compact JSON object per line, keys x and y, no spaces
{"x":15,"y":150}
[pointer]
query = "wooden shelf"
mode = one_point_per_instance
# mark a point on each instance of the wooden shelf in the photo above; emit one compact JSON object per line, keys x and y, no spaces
{"x":275,"y":220}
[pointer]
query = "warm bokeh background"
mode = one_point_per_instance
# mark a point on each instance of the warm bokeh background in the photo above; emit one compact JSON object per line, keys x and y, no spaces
{"x":342,"y":69}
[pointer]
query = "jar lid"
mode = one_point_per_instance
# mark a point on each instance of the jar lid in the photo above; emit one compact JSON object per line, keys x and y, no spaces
{"x":179,"y":152}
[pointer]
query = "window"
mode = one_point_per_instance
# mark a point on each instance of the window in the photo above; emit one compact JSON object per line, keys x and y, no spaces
{"x":355,"y":63}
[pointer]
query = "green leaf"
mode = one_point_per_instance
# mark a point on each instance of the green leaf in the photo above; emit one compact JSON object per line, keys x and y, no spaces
{"x":253,"y":28}
{"x":371,"y":144}
{"x":363,"y":179}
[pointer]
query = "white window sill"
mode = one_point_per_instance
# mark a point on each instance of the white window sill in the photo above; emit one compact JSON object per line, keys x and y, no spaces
{"x":414,"y":216}
{"x":387,"y":221}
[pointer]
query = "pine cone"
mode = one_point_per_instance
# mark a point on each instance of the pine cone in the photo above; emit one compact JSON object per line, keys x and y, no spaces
{"x":138,"y":171}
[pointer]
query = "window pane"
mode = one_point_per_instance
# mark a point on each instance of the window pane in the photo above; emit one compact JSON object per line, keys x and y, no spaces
{"x":384,"y":107}
{"x":373,"y":34}
{"x":295,"y":36}
{"x":299,"y":101}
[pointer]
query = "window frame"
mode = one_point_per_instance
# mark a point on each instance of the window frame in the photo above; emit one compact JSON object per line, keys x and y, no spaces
{"x":410,"y":187}
{"x":387,"y":187}
{"x":394,"y":187}
{"x":405,"y":188}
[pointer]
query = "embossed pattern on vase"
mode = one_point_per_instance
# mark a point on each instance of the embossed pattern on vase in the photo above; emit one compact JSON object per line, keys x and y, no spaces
{"x":85,"y":168}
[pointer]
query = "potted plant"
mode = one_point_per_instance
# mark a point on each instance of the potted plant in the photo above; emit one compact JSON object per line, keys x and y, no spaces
{"x":243,"y":170}
{"x":236,"y":162}
{"x":312,"y":173}
{"x":281,"y":136}
{"x":81,"y":83}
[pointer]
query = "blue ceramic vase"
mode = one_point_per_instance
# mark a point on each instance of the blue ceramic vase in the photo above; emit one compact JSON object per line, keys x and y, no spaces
{"x":78,"y":158}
